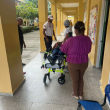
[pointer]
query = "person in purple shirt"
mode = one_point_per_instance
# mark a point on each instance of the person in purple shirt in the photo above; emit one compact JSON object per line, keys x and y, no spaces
{"x":77,"y":49}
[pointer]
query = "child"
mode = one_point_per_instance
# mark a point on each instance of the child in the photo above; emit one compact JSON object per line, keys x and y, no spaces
{"x":56,"y":51}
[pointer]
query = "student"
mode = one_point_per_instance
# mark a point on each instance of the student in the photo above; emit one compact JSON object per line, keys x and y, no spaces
{"x":21,"y":38}
{"x":48,"y":31}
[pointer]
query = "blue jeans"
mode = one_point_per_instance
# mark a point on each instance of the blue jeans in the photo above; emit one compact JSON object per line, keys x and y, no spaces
{"x":56,"y":53}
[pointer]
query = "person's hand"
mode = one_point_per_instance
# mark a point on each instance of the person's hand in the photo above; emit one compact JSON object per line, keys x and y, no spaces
{"x":47,"y":39}
{"x":24,"y":45}
{"x":59,"y":43}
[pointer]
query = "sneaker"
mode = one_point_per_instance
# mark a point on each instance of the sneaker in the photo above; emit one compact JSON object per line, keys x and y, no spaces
{"x":66,"y":71}
{"x":76,"y":97}
{"x":23,"y":64}
{"x":80,"y":97}
{"x":45,"y":56}
{"x":24,"y":72}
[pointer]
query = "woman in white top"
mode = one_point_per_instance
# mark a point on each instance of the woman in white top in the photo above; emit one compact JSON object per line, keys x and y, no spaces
{"x":68,"y":30}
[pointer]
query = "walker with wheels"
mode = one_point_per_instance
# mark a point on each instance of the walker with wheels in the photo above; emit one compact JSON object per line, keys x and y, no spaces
{"x":58,"y":66}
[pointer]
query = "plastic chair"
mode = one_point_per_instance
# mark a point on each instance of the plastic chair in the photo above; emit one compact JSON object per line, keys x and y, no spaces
{"x":94,"y":105}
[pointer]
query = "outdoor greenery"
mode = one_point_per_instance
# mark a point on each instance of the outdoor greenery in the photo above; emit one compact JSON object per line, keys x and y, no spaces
{"x":49,"y":8}
{"x":29,"y":29}
{"x":34,"y":2}
{"x":29,"y":9}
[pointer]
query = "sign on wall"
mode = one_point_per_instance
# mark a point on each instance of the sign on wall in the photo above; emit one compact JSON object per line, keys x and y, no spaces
{"x":85,"y":12}
{"x":92,"y":23}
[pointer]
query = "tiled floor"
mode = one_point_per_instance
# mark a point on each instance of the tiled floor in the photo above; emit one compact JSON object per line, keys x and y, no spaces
{"x":32,"y":41}
{"x":34,"y":95}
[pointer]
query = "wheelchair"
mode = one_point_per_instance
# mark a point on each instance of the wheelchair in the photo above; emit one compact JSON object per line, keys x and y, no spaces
{"x":94,"y":105}
{"x":57,"y":66}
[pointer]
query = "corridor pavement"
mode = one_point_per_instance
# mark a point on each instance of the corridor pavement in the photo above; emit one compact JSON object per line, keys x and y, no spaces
{"x":34,"y":95}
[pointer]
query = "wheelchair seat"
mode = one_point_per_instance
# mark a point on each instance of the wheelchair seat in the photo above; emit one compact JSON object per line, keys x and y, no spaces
{"x":94,"y":105}
{"x":90,"y":105}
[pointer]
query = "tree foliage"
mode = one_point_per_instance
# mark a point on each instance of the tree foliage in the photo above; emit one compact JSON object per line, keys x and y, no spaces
{"x":34,"y":2}
{"x":49,"y":8}
{"x":29,"y":9}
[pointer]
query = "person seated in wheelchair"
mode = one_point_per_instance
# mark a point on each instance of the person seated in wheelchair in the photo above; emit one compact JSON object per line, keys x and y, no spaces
{"x":56,"y":52}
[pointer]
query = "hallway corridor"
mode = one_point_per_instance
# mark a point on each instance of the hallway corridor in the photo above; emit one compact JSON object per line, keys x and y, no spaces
{"x":34,"y":95}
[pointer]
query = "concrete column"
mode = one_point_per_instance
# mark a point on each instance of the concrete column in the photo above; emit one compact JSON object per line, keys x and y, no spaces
{"x":58,"y":21}
{"x":80,"y":11}
{"x":87,"y":16}
{"x":64,"y":18}
{"x":11,"y":73}
{"x":53,"y":12}
{"x":77,"y":15}
{"x":75,"y":19}
{"x":61,"y":21}
{"x":42,"y":7}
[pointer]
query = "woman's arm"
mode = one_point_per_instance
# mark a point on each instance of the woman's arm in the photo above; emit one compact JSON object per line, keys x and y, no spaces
{"x":66,"y":46}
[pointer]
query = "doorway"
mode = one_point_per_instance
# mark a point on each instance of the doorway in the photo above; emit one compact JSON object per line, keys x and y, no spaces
{"x":102,"y":33}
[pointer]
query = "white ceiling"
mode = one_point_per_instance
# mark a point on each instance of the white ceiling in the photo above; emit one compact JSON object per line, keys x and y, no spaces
{"x":65,"y":5}
{"x":70,"y":11}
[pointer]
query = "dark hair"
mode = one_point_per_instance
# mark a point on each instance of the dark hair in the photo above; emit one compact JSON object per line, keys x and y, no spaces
{"x":80,"y":26}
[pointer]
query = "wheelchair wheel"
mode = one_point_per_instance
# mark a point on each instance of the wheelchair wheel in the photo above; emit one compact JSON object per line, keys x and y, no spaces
{"x":61,"y":80}
{"x":48,"y":76}
{"x":44,"y":79}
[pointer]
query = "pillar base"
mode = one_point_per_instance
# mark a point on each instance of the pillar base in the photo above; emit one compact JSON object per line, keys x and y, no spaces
{"x":102,"y":89}
{"x":12,"y":94}
{"x":101,"y":82}
{"x":6,"y":94}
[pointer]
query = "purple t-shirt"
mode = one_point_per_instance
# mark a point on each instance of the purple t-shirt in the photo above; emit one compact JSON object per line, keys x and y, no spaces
{"x":77,"y":49}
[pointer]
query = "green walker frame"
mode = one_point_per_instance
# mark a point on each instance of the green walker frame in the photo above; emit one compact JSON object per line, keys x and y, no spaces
{"x":61,"y":79}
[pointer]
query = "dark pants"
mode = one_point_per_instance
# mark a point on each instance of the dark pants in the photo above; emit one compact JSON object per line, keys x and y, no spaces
{"x":70,"y":34}
{"x":48,"y":45}
{"x":21,"y":47}
{"x":56,"y":53}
